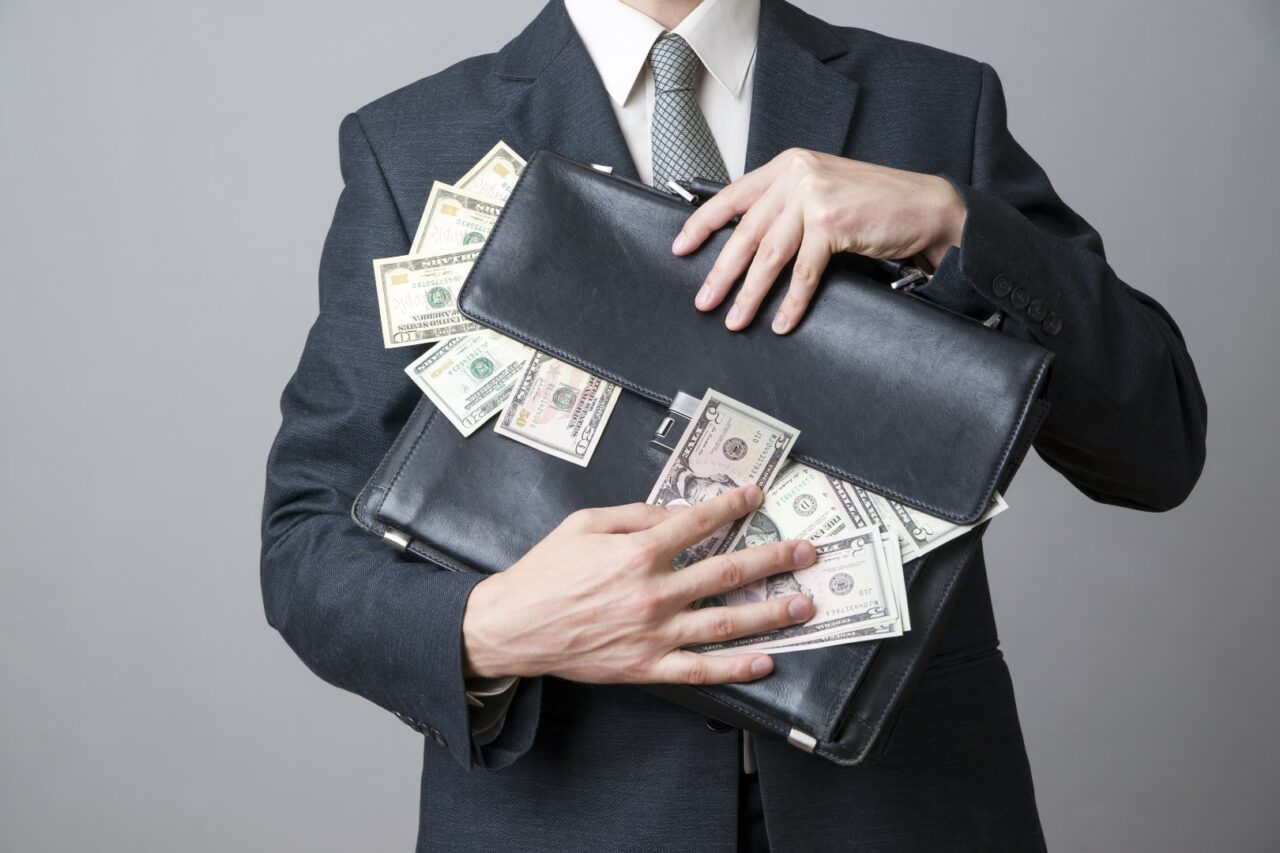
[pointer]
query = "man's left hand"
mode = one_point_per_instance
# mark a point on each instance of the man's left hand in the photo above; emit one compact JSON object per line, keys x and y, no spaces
{"x":808,"y":206}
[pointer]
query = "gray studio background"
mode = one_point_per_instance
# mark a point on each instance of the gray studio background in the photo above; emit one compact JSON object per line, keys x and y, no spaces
{"x":167,"y":175}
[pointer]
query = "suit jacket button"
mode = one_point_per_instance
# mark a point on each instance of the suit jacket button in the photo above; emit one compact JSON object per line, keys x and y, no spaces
{"x":1000,"y":286}
{"x":1020,"y":298}
{"x":1036,"y":310}
{"x":717,"y":726}
{"x":1052,"y":324}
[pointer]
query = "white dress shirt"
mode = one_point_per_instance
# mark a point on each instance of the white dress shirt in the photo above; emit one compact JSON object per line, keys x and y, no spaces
{"x":721,"y":32}
{"x":618,"y":38}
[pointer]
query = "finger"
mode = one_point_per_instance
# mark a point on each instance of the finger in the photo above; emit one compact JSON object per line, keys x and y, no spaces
{"x":777,"y":247}
{"x":811,"y":262}
{"x":683,"y":667}
{"x":721,"y":624}
{"x":627,"y":518}
{"x":714,"y":213}
{"x":720,"y":574}
{"x":737,"y":253}
{"x":683,"y":529}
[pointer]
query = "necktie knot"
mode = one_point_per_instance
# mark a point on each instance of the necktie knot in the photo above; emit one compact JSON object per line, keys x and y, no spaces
{"x":675,"y":65}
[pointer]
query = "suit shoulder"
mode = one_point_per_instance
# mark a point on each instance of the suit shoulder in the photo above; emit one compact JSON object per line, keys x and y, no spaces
{"x":465,"y":87}
{"x":909,"y":61}
{"x":875,"y":58}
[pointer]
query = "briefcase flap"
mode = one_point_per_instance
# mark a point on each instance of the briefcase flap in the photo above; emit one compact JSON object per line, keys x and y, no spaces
{"x":888,"y":391}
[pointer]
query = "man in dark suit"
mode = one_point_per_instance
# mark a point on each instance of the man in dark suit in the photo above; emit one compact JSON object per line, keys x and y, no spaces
{"x":851,"y":141}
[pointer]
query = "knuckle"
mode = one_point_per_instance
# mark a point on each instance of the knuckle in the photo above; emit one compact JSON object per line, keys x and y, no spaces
{"x":810,"y":183}
{"x":647,"y":604}
{"x":803,"y":275}
{"x":587,"y":516}
{"x":645,"y":553}
{"x":768,"y":252}
{"x":730,"y":574}
{"x":723,"y":626}
{"x":827,"y":217}
{"x":697,"y":672}
{"x":801,"y":159}
{"x":704,"y":524}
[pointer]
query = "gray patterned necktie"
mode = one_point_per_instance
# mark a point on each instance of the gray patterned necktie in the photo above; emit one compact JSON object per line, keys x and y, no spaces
{"x":683,"y":146}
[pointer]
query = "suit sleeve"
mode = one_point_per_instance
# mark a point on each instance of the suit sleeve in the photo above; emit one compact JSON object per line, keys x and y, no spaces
{"x":1127,"y":415}
{"x":359,"y":614}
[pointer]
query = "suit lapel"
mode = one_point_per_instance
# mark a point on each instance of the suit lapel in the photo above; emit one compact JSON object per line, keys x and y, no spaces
{"x":563,"y":106}
{"x":797,"y":99}
{"x":560,"y":103}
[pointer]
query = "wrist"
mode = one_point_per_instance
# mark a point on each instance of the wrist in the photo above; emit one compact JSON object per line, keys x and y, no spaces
{"x":486,"y":651}
{"x":949,"y":217}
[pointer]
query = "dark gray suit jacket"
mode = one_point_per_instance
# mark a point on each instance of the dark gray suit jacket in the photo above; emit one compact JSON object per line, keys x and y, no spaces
{"x":610,"y":767}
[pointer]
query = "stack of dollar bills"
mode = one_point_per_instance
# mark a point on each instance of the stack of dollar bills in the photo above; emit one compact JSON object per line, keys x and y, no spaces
{"x":862,"y":539}
{"x":473,"y":373}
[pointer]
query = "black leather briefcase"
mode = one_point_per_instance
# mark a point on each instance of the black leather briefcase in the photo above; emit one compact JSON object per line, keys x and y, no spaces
{"x":889,"y":392}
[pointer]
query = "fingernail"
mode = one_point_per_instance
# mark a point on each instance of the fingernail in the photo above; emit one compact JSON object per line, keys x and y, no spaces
{"x":800,"y":608}
{"x":753,"y":494}
{"x":803,"y":554}
{"x":704,"y":297}
{"x":779,"y":322}
{"x":761,"y":665}
{"x":681,"y":242}
{"x":735,"y":315}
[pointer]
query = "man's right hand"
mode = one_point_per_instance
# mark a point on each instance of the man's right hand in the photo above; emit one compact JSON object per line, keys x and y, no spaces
{"x":597,"y":600}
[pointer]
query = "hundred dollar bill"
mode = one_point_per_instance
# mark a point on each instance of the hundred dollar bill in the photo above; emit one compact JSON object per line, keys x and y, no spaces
{"x":494,"y":176}
{"x":453,"y":220}
{"x":470,"y":377}
{"x":558,"y":408}
{"x":727,"y":444}
{"x":851,"y":592}
{"x":418,"y":297}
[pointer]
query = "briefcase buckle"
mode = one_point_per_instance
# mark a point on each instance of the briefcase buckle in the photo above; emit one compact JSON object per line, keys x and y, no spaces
{"x":682,"y":409}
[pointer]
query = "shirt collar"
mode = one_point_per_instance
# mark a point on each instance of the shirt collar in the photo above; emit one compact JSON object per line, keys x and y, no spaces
{"x":618,"y":39}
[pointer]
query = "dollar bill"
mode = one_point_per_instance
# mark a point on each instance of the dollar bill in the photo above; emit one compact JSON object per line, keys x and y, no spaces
{"x":837,"y":634}
{"x":494,"y":176}
{"x":892,"y":553}
{"x":919,"y":533}
{"x":803,"y":503}
{"x":558,"y":408}
{"x":851,"y":592}
{"x":453,"y":220}
{"x":470,"y":377}
{"x":418,"y":297}
{"x":727,"y":444}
